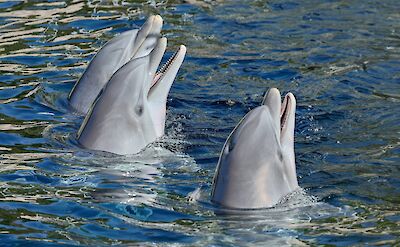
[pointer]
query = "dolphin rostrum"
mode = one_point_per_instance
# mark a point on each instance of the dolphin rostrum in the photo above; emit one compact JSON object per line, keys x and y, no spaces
{"x":130,"y":112}
{"x":256,"y":168}
{"x":111,"y":57}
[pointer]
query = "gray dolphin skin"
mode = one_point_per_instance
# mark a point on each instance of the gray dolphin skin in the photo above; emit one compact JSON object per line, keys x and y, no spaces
{"x":130,"y":112}
{"x":111,"y":57}
{"x":256,"y":168}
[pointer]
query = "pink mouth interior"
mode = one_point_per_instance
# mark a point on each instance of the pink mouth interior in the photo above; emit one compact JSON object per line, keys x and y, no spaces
{"x":156,"y":78}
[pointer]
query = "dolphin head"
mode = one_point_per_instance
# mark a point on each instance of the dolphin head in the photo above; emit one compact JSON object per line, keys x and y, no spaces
{"x":111,"y":57}
{"x":130,"y":112}
{"x":256,"y":167}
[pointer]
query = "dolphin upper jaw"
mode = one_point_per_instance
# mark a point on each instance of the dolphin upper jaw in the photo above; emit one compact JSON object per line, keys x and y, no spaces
{"x":256,"y":167}
{"x":111,"y":57}
{"x":147,"y":37}
{"x":130,"y":112}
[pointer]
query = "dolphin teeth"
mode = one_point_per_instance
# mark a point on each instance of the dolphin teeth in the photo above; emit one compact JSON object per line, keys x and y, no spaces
{"x":160,"y":73}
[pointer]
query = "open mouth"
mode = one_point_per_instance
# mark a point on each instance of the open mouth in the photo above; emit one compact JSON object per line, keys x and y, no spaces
{"x":165,"y":67}
{"x":285,"y":109}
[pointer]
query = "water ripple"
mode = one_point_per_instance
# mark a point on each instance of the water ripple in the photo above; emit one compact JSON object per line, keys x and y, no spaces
{"x":340,"y":59}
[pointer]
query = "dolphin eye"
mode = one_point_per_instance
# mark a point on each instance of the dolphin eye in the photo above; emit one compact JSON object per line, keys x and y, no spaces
{"x":280,"y":155}
{"x":229,"y":146}
{"x":139,"y":110}
{"x":226,"y":150}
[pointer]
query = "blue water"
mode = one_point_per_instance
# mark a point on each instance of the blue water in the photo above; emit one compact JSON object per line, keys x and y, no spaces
{"x":341,"y":59}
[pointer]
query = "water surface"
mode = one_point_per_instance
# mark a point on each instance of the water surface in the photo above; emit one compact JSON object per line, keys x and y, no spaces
{"x":341,"y":59}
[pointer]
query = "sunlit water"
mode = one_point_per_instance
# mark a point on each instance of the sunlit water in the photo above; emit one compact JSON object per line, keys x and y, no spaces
{"x":341,"y":59}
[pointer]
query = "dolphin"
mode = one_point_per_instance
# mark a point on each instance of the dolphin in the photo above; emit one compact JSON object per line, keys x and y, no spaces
{"x":130,"y":112}
{"x":256,"y":167}
{"x":111,"y":57}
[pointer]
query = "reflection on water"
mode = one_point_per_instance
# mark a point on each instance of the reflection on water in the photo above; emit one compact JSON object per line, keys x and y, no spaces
{"x":340,"y":59}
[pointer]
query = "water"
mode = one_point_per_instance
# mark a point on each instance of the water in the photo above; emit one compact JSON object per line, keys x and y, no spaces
{"x":341,"y":59}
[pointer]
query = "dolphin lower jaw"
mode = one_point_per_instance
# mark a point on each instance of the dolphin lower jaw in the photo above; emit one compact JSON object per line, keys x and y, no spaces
{"x":158,"y":117}
{"x":165,"y":67}
{"x":290,"y":171}
{"x":165,"y":76}
{"x":287,"y":119}
{"x":161,"y":84}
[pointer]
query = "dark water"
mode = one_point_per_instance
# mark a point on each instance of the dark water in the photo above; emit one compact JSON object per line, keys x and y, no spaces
{"x":341,"y":59}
